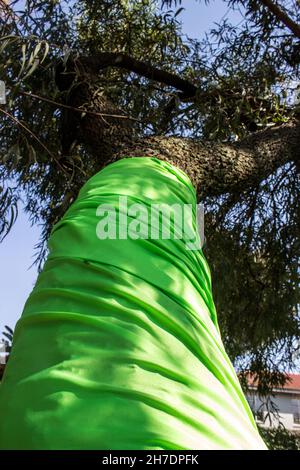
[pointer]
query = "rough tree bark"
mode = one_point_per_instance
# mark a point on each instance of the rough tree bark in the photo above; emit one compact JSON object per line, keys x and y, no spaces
{"x":214,"y":168}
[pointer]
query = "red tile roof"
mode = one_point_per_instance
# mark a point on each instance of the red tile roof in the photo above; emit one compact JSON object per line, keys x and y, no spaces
{"x":293,"y":382}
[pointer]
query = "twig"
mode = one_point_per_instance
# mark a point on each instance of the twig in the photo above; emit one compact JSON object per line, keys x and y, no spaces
{"x":283,"y":17}
{"x":19,"y":123}
{"x":61,"y":105}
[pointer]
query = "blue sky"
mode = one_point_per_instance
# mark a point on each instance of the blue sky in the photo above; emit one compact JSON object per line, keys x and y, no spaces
{"x":17,"y":249}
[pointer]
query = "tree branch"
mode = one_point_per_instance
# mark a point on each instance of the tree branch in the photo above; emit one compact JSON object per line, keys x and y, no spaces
{"x":219,"y":168}
{"x":103,"y":60}
{"x":214,"y":168}
{"x":72,"y":108}
{"x":34,"y":136}
{"x":283,"y":17}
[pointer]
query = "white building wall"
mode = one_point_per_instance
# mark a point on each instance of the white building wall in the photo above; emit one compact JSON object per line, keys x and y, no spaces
{"x":288,"y":405}
{"x":2,"y":352}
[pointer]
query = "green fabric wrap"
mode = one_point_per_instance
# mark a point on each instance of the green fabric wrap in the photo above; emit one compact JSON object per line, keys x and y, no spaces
{"x":118,"y":346}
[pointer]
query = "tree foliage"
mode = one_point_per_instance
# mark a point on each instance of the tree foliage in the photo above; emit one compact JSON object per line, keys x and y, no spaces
{"x":246,"y":77}
{"x":280,"y":439}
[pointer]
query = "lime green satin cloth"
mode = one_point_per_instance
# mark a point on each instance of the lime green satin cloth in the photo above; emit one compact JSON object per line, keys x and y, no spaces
{"x":118,"y":346}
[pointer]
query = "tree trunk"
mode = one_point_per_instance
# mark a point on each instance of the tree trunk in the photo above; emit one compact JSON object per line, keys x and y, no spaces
{"x":214,"y":168}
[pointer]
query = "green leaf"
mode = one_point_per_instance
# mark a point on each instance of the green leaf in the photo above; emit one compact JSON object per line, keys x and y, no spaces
{"x":32,"y":68}
{"x":179,"y":11}
{"x":32,"y":154}
{"x":13,"y":151}
{"x":46,"y":51}
{"x":23,"y":61}
{"x":7,"y":40}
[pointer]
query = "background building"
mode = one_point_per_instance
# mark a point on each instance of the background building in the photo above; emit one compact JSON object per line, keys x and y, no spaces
{"x":286,"y":401}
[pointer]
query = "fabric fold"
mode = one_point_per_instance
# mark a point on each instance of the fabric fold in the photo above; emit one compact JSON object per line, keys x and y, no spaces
{"x":118,"y":345}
